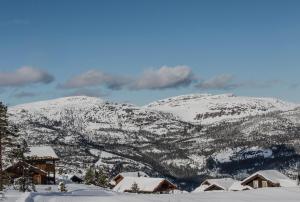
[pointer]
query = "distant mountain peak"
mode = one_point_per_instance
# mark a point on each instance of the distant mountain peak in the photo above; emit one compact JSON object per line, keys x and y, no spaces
{"x":209,"y":108}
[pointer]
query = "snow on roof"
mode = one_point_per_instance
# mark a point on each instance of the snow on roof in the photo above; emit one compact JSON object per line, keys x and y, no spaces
{"x":224,"y":183}
{"x":237,"y":186}
{"x":133,"y":174}
{"x":41,"y":152}
{"x":201,"y":188}
{"x":145,"y":184}
{"x":273,"y":176}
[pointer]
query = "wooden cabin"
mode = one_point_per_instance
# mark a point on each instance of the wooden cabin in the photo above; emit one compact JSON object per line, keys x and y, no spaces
{"x":145,"y":185}
{"x":22,"y":168}
{"x":268,"y":178}
{"x":44,"y":158}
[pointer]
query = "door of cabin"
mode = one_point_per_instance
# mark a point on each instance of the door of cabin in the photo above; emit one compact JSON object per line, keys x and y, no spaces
{"x":37,"y":179}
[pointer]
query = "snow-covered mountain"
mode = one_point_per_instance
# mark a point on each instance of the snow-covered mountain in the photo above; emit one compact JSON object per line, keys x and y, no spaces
{"x":180,"y":137}
{"x":207,"y":108}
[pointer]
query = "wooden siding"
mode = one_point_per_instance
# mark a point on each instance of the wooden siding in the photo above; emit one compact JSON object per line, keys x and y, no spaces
{"x":260,"y":179}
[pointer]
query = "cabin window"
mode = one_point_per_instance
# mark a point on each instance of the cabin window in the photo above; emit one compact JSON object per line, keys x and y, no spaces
{"x":255,"y":184}
{"x":264,"y":183}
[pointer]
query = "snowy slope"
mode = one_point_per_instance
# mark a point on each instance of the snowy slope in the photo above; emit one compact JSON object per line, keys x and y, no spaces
{"x":207,"y":108}
{"x":80,"y":193}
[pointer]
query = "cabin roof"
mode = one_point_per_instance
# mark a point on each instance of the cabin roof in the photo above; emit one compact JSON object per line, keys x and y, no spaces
{"x":224,"y":183}
{"x":23,"y":163}
{"x":41,"y":152}
{"x":145,"y":184}
{"x":132,"y":174}
{"x":237,"y":186}
{"x":273,"y":176}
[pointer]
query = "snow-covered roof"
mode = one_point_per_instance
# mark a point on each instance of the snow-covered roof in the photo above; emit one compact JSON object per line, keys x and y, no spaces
{"x":237,"y":186}
{"x":145,"y":184}
{"x":273,"y":176}
{"x":224,"y":183}
{"x":227,"y":184}
{"x":41,"y":152}
{"x":201,"y":188}
{"x":133,"y":174}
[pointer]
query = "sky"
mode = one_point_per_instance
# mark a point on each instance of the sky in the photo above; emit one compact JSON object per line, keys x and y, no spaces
{"x":140,"y":51}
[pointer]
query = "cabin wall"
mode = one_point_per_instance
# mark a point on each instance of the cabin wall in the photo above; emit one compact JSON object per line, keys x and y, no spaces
{"x":119,"y":179}
{"x":46,"y":165}
{"x":260,"y":182}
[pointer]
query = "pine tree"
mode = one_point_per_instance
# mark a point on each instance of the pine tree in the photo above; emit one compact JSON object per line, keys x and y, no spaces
{"x":135,"y":188}
{"x":89,"y":177}
{"x":101,"y":178}
{"x":7,"y":138}
{"x":19,"y":151}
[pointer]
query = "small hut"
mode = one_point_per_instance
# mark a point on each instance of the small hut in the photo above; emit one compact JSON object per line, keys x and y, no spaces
{"x":268,"y":178}
{"x":44,"y":158}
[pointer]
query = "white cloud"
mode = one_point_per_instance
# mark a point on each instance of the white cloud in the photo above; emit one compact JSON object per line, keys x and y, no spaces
{"x":164,"y":77}
{"x":24,"y":76}
{"x":95,"y":78}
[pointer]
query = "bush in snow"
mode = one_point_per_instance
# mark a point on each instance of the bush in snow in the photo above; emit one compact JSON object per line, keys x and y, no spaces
{"x":62,"y":187}
{"x":135,"y":188}
{"x":24,"y":184}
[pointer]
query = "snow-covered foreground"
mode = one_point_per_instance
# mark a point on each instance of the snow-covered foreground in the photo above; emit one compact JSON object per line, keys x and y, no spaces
{"x":82,"y":193}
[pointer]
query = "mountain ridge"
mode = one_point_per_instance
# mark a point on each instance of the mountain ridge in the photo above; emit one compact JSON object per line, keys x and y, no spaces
{"x":85,"y":131}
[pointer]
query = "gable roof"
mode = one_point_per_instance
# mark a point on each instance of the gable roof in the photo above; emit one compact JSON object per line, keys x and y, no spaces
{"x":224,"y":183}
{"x":145,"y":184}
{"x":273,"y":176}
{"x":41,"y":152}
{"x":31,"y":168}
{"x":132,"y":174}
{"x":237,"y":186}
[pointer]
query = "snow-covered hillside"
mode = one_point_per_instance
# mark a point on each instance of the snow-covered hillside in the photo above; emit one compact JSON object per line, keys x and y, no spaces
{"x":207,"y":108}
{"x":164,"y":138}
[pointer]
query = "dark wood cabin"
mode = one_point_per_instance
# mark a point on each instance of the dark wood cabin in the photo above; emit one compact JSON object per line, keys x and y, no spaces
{"x":259,"y":181}
{"x":267,"y":178}
{"x":24,"y":169}
{"x":165,"y":187}
{"x":44,"y":158}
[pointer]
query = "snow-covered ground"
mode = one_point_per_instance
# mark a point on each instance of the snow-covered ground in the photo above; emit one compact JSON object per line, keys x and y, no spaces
{"x":83,"y":193}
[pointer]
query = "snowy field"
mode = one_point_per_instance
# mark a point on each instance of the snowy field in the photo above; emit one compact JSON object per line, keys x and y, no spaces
{"x":83,"y":193}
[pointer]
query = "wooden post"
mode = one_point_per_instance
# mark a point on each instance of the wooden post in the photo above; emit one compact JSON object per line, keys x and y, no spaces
{"x":54,"y":171}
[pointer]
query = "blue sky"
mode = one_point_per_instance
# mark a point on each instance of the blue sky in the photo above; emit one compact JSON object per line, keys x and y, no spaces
{"x":140,"y":51}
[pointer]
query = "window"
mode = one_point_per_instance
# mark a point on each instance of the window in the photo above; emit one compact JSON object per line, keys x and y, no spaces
{"x":255,"y":184}
{"x":264,"y":183}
